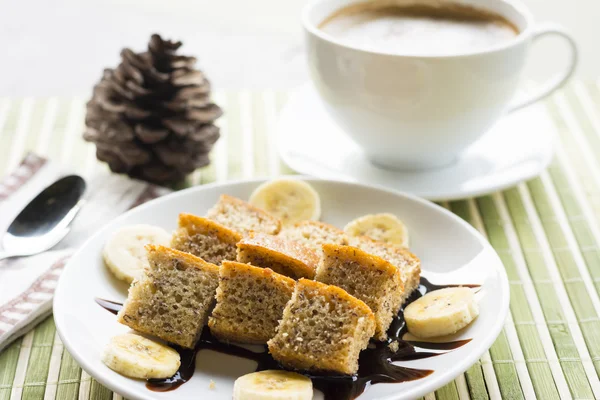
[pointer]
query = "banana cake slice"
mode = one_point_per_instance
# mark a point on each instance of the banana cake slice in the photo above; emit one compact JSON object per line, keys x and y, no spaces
{"x":205,"y":238}
{"x":314,"y":234}
{"x":408,"y":264}
{"x":243,"y":217}
{"x":173,"y":298}
{"x":286,"y":257}
{"x":250,"y":303}
{"x":323,"y":329}
{"x":367,"y":277}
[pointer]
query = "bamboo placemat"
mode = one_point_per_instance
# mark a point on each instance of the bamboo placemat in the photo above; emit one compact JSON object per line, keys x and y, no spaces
{"x":547,"y":232}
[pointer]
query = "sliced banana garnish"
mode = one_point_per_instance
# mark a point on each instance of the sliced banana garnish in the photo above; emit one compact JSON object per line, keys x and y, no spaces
{"x":124,"y":253}
{"x":273,"y":385}
{"x":290,"y":200}
{"x":441,"y":312}
{"x":138,"y":357}
{"x":381,"y":227}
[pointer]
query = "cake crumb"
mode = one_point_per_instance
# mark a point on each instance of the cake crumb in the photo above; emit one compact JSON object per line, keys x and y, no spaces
{"x":305,"y":347}
{"x":238,"y":316}
{"x":187,"y":287}
{"x":367,"y":277}
{"x":394,"y":346}
{"x":212,"y":385}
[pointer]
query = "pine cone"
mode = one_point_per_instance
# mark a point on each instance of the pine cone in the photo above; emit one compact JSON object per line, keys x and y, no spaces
{"x":152,"y":117}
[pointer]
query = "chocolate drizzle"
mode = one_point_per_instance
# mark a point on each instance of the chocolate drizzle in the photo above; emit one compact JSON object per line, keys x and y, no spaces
{"x":108,"y":305}
{"x":375,"y":362}
{"x":185,"y":372}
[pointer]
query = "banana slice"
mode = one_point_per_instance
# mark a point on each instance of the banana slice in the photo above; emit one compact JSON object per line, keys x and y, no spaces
{"x":124,"y":253}
{"x":441,"y":312}
{"x":288,"y":199}
{"x":138,"y":357}
{"x":382,"y":227}
{"x":273,"y":385}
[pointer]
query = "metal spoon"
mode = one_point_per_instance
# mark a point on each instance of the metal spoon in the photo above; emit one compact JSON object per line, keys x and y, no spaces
{"x":46,"y":220}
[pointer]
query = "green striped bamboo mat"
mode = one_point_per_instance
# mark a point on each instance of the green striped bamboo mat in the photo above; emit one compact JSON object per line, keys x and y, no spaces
{"x":547,"y":232}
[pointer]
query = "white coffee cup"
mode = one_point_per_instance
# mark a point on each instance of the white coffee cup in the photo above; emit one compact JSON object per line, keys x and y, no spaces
{"x":417,"y":112}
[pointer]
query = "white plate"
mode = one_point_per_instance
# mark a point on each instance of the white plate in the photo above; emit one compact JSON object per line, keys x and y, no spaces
{"x":518,"y":148}
{"x":450,"y":249}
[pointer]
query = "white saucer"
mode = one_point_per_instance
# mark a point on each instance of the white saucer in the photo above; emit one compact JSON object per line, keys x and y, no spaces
{"x":518,"y":148}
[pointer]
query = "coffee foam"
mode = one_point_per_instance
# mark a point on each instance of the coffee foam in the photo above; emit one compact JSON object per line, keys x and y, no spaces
{"x":420,"y":28}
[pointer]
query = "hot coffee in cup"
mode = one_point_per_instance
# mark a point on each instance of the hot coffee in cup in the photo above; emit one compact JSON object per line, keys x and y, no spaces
{"x":418,"y":29}
{"x":414,"y":83}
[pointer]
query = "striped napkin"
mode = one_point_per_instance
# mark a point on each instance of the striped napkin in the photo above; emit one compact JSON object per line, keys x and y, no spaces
{"x":27,"y":284}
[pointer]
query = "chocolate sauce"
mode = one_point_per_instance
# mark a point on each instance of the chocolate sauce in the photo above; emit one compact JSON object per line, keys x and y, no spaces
{"x":375,"y":362}
{"x":208,"y":342}
{"x":183,"y":374}
{"x":426,"y":286}
{"x":111,"y":306}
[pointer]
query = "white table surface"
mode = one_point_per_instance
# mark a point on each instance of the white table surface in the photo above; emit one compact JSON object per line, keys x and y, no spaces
{"x":59,"y":47}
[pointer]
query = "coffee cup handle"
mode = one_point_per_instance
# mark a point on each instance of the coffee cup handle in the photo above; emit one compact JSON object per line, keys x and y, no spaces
{"x":548,"y":29}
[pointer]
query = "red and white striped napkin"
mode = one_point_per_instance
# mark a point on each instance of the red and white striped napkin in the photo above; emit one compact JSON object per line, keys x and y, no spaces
{"x":27,"y":283}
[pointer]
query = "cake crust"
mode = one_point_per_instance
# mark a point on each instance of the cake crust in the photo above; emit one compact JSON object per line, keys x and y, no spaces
{"x":243,"y":217}
{"x":314,"y":234}
{"x":205,"y":238}
{"x":286,"y":257}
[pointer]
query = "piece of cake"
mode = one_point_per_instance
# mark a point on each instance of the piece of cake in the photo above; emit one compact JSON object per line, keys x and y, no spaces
{"x":286,"y":257}
{"x":323,"y":329}
{"x":250,"y":303}
{"x":243,"y":217}
{"x":314,"y":234}
{"x":173,"y":298}
{"x":205,"y":238}
{"x":365,"y":276}
{"x":408,"y":264}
